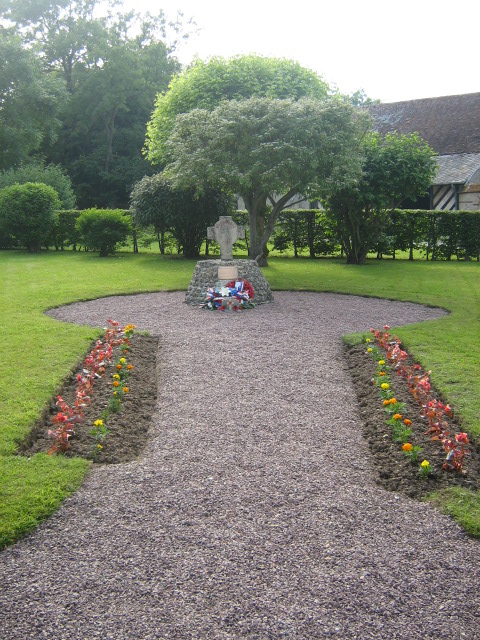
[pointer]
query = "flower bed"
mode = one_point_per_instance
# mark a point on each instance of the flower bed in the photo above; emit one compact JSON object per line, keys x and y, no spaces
{"x":99,"y":430}
{"x":396,"y":436}
{"x":436,"y":412}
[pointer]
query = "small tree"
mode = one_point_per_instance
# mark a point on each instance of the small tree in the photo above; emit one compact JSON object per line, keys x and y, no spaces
{"x":28,"y":212}
{"x":267,"y":151}
{"x":155,"y":202}
{"x":103,"y":229}
{"x":396,"y":168}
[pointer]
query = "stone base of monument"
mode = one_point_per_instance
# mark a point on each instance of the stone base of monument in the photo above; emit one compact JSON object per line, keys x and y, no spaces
{"x":207,"y":274}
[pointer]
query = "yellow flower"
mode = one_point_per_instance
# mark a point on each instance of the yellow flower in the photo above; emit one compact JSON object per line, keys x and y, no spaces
{"x":407,"y":446}
{"x":99,"y":446}
{"x":98,"y":423}
{"x":126,"y":389}
{"x":114,"y":393}
{"x":369,"y":350}
{"x":385,"y":386}
{"x":381,"y":362}
{"x":425,"y":464}
{"x":116,"y":376}
{"x":122,"y":360}
{"x":367,"y":340}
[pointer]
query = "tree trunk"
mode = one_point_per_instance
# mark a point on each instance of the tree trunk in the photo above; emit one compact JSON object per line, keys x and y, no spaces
{"x":110,"y":131}
{"x":311,"y":233}
{"x":261,"y":227}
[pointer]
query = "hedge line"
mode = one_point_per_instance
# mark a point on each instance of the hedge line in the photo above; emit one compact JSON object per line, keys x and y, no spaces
{"x":436,"y":234}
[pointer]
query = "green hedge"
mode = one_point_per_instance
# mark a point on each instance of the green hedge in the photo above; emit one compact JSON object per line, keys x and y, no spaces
{"x":439,"y":235}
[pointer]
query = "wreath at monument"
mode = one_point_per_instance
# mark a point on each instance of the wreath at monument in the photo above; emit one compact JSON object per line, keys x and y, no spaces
{"x":234,"y":296}
{"x":247,"y":287}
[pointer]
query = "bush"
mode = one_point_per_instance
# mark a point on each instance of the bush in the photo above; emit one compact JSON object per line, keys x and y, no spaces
{"x":103,"y":229}
{"x":28,"y":212}
{"x":52,"y":174}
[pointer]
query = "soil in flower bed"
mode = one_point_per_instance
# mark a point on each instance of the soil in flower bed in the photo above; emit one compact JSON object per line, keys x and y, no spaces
{"x":394,"y":470}
{"x":127,"y":430}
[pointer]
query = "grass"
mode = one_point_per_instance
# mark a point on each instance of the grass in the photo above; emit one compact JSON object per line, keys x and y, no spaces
{"x":39,"y":351}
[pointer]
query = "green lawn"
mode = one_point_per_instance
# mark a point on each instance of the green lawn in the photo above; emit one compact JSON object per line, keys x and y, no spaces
{"x":39,"y":351}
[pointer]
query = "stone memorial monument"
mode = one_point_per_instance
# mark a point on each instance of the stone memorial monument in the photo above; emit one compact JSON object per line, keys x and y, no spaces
{"x":213,"y":273}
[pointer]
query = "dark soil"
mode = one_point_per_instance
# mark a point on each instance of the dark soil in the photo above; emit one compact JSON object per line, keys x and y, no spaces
{"x":395,"y":471}
{"x":127,"y":430}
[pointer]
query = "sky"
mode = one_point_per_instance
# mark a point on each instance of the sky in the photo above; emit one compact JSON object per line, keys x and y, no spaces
{"x":392,"y":50}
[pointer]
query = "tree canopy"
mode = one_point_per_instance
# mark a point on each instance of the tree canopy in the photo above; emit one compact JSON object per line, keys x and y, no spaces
{"x":395,"y":168}
{"x":206,"y":84}
{"x":267,"y":151}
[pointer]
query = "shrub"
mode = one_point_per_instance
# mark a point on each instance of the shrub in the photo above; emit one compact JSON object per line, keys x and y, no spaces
{"x":103,"y":229}
{"x":52,"y":174}
{"x":28,"y":212}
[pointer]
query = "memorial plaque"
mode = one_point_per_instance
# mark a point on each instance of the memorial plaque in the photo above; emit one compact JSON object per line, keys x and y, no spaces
{"x":227,"y":273}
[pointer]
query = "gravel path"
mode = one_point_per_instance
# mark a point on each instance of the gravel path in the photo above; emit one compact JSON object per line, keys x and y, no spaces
{"x":245,"y":517}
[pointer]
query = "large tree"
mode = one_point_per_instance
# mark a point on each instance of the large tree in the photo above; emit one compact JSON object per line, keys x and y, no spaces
{"x":30,"y":102}
{"x":206,"y":84}
{"x":267,"y":151}
{"x":396,"y":168}
{"x":113,"y":64}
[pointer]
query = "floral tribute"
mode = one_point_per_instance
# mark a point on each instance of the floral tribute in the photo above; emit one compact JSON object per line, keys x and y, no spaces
{"x":94,"y":367}
{"x":233,"y":296}
{"x":434,"y":411}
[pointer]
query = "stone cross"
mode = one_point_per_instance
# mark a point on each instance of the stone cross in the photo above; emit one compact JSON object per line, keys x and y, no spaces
{"x":226,"y":233}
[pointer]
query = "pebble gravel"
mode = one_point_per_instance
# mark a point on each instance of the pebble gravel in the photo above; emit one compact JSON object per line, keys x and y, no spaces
{"x":253,"y":512}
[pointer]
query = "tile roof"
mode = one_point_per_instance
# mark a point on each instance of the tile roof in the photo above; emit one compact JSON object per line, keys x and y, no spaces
{"x":458,"y":168}
{"x":450,"y":124}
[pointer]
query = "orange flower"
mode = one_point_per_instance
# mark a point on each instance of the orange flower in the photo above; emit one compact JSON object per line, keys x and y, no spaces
{"x":126,"y":389}
{"x":407,"y":422}
{"x":397,"y":416}
{"x":407,"y":446}
{"x":118,"y":367}
{"x":115,"y":383}
{"x":393,"y":401}
{"x":381,"y":373}
{"x":129,"y":367}
{"x":386,"y":403}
